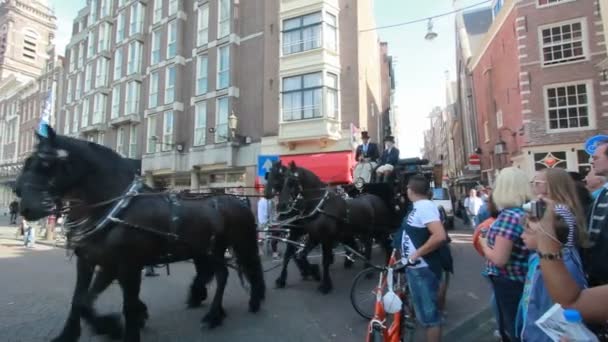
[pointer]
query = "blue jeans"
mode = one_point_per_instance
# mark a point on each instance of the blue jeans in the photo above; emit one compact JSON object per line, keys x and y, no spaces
{"x":424,"y":290}
{"x":507,"y":294}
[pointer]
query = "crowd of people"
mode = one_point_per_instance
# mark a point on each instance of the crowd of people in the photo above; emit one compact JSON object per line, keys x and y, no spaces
{"x":553,"y":252}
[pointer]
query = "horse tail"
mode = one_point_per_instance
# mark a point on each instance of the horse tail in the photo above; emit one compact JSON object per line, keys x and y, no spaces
{"x":245,"y":247}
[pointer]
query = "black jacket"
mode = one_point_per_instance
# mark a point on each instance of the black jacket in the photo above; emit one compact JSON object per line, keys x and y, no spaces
{"x":373,"y":152}
{"x":389,"y":158}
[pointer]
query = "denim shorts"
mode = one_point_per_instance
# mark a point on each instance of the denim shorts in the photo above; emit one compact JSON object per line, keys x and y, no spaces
{"x":424,"y":289}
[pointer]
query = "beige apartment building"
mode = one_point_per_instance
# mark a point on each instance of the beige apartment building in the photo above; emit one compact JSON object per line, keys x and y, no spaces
{"x":199,"y":89}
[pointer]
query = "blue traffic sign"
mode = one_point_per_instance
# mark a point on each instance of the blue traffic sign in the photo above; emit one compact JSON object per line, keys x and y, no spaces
{"x":265,"y":164}
{"x":591,"y":143}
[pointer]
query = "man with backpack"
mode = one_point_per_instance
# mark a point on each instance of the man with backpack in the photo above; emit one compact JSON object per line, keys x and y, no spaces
{"x":13,"y":209}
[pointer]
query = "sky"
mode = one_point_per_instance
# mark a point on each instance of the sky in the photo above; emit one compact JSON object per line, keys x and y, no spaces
{"x":420,"y":67}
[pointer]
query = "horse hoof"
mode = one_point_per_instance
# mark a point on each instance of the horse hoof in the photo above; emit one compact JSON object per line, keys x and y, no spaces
{"x":280,"y":283}
{"x":315,"y":272}
{"x":254,"y":305}
{"x":65,"y":338}
{"x":214,"y":318}
{"x":109,"y":325}
{"x":325,"y":288}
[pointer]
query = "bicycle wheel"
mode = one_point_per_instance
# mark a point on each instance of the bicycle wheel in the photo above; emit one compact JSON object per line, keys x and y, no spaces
{"x":408,"y":324}
{"x":363,"y":292}
{"x":375,"y":336}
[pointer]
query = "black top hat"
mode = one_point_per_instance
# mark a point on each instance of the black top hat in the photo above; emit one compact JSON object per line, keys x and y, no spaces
{"x":364,"y":135}
{"x":389,"y":138}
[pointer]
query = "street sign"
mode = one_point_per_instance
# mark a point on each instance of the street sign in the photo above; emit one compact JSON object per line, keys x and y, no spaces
{"x":265,"y":164}
{"x":474,"y":159}
{"x":591,"y":143}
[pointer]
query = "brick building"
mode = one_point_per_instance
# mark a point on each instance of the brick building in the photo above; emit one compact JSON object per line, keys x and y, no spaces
{"x":538,"y":88}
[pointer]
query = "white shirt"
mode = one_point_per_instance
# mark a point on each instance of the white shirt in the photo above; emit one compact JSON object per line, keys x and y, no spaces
{"x":262,"y":211}
{"x":423,"y":213}
{"x":473,"y":204}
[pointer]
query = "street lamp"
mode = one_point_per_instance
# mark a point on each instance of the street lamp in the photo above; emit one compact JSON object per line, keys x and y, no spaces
{"x":430,"y":35}
{"x":233,"y":122}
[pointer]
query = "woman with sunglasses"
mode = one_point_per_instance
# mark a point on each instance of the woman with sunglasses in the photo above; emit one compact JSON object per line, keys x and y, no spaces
{"x":570,"y":234}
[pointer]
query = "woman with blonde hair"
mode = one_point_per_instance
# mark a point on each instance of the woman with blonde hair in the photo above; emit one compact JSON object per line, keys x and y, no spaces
{"x":504,"y":250}
{"x":558,"y":186}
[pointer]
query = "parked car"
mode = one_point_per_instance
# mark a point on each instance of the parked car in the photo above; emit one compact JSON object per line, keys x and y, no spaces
{"x":443,"y":200}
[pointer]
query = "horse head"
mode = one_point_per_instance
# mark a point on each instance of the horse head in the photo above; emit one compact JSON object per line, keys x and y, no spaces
{"x":275,"y":179}
{"x":59,"y":167}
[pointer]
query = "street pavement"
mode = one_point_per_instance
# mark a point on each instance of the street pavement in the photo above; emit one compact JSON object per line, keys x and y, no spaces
{"x":37,"y":286}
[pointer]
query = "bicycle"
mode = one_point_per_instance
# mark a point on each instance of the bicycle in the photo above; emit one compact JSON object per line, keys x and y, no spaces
{"x":391,"y":303}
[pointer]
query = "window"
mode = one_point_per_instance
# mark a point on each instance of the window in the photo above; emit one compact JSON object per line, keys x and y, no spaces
{"x":172,"y":7}
{"x":29,"y":44}
{"x":106,"y":8}
{"x":550,"y":2}
{"x":170,"y":85}
{"x":93,"y":15}
{"x":101,"y":77}
{"x":223,"y":68}
{"x":118,"y":63}
{"x":202,"y":31}
{"x":158,"y":11}
{"x":134,"y":62}
{"x":78,"y":86}
{"x":155,"y":55}
{"x":120,"y":141}
{"x":584,"y":162}
{"x":100,"y":138}
{"x":550,"y":160}
{"x":68,"y":97}
{"x":133,"y":90}
{"x":132,"y":141}
{"x":201,"y":75}
{"x":91,"y":43}
{"x":200,"y":123}
{"x":568,"y":106}
{"x":73,"y":53}
{"x":172,"y":39}
{"x":81,"y":55}
{"x":103,"y":43}
{"x":499,"y":121}
{"x":167,"y":131}
{"x":302,"y":97}
{"x":120,"y":27}
{"x":115,"y":112}
{"x":75,"y":120}
{"x":332,"y":101}
{"x":563,"y":43}
{"x":85,"y":113}
{"x":496,"y":7}
{"x":441,"y":194}
{"x":99,"y":108}
{"x":221,"y":119}
{"x":137,"y":18}
{"x":151,"y":138}
{"x":331,"y":32}
{"x":121,"y":3}
{"x":302,"y":33}
{"x":66,"y":126}
{"x":153,"y":92}
{"x":87,"y":77}
{"x":224,"y":18}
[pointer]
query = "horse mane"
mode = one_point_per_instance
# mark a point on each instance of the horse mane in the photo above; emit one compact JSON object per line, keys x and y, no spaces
{"x":95,"y":153}
{"x":310,"y":176}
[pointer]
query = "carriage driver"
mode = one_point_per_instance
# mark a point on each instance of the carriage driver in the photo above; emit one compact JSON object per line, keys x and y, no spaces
{"x":366,"y":155}
{"x":388,"y":160}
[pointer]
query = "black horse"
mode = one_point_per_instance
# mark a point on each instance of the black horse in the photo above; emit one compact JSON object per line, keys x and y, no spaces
{"x":121,"y":225}
{"x":326,"y":217}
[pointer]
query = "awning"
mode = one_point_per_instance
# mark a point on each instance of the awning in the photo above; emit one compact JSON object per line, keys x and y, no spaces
{"x":334,"y":167}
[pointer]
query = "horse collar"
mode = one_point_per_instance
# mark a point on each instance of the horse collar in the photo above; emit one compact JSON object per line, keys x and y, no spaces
{"x":111,"y":217}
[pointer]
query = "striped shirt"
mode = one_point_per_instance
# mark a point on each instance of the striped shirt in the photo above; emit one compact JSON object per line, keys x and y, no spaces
{"x":599,"y":212}
{"x":510,"y":225}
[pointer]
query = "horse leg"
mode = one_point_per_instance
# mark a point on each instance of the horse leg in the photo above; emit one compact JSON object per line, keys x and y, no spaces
{"x":106,"y":324}
{"x":290,"y":251}
{"x":84,"y":275}
{"x":216,"y":313}
{"x":326,"y":284}
{"x":130,"y":281}
{"x":198,"y":289}
{"x":306,"y":268}
{"x":248,"y":259}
